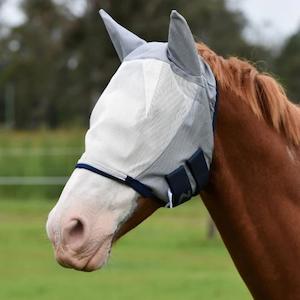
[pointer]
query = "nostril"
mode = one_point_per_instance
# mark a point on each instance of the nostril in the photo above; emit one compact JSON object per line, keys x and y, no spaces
{"x":77,"y":229}
{"x":74,"y":232}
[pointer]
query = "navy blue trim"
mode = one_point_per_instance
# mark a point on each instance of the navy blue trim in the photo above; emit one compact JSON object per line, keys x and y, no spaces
{"x":215,"y":109}
{"x":99,"y":172}
{"x":139,"y":187}
{"x":180,"y":186}
{"x":198,"y":167}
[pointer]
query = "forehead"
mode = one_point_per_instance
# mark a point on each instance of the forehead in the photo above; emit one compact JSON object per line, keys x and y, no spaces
{"x":152,"y":50}
{"x":159,"y":51}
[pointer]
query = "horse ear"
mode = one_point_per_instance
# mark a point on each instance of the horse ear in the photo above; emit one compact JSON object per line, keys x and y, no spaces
{"x":181,"y":45}
{"x":123,"y":40}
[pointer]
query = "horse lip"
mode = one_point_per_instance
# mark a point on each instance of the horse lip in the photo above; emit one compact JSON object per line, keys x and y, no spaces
{"x":80,"y":261}
{"x":87,"y":267}
{"x":66,"y":261}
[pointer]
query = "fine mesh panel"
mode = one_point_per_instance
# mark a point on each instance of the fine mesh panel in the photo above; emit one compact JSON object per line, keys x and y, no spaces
{"x":137,"y":116}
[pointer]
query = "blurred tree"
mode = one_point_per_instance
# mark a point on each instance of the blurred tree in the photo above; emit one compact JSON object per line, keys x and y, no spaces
{"x":211,"y":22}
{"x":32,"y":53}
{"x":288,"y":67}
{"x":59,"y":62}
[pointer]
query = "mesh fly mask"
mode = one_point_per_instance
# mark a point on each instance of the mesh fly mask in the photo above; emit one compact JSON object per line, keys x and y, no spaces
{"x":152,"y":128}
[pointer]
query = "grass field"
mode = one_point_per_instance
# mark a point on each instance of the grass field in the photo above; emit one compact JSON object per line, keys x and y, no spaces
{"x":167,"y":257}
{"x":41,"y":153}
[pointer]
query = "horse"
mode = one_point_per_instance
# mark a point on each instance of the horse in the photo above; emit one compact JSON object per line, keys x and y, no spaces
{"x":252,"y":191}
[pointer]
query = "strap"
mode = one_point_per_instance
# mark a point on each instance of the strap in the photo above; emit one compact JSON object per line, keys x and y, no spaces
{"x":139,"y":187}
{"x":180,"y":186}
{"x":142,"y":189}
{"x":99,"y":172}
{"x":198,"y":167}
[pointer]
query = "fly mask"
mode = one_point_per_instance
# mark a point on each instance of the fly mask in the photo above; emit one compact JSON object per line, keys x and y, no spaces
{"x":152,"y":128}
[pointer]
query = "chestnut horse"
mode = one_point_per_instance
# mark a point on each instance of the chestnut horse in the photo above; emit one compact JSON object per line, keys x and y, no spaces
{"x":253,"y":193}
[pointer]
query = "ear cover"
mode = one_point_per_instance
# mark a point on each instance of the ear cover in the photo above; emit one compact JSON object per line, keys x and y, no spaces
{"x":123,"y":40}
{"x":181,"y":46}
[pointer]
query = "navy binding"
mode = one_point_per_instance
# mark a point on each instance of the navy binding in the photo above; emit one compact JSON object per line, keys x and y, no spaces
{"x":139,"y":187}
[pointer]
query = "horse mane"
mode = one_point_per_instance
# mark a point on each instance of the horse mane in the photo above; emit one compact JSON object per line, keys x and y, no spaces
{"x":265,"y":96}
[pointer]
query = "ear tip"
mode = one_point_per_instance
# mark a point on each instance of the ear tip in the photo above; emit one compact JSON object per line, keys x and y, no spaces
{"x":176,"y":14}
{"x":103,"y":14}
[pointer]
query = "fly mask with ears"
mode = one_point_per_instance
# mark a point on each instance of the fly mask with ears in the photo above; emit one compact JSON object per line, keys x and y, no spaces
{"x":152,"y":128}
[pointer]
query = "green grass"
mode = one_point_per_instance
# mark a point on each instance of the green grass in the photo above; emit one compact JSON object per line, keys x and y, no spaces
{"x":167,"y":257}
{"x":40,"y":153}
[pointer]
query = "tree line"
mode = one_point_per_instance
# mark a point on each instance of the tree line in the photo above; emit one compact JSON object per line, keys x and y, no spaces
{"x":54,"y":66}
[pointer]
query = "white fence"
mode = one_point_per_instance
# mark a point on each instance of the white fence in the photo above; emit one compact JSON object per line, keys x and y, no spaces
{"x":36,"y":180}
{"x":9,"y":152}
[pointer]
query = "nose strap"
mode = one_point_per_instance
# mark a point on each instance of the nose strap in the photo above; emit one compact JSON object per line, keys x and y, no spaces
{"x":139,"y":187}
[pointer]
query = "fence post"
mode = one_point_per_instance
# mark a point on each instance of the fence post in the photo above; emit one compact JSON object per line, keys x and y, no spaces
{"x":211,"y":229}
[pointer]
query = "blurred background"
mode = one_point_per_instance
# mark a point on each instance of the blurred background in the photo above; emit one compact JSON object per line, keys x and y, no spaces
{"x":55,"y":60}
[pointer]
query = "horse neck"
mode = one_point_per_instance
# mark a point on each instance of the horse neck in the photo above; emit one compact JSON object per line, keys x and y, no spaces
{"x":254,"y":198}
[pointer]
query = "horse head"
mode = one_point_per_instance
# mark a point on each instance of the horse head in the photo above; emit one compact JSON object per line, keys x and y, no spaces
{"x":149,"y":144}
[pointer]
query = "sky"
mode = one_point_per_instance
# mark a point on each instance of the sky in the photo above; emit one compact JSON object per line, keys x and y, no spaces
{"x":270,"y":21}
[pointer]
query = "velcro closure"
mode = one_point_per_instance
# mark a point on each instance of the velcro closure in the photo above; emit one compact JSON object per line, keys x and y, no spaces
{"x":180,"y":186}
{"x":198,"y":167}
